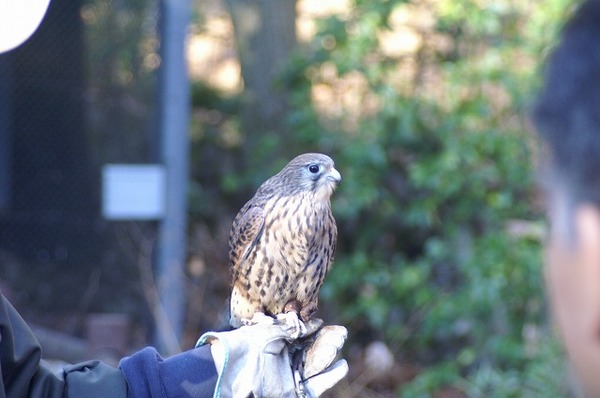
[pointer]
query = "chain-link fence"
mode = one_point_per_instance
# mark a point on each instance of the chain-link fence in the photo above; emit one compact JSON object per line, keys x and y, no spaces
{"x":79,"y":94}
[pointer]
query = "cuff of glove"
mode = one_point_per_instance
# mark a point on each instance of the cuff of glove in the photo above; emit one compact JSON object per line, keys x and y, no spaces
{"x":220,"y":353}
{"x":251,"y":360}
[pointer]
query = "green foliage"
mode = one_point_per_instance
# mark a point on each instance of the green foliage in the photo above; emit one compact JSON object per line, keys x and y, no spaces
{"x":434,"y":169}
{"x":436,"y":158}
{"x":540,"y":376}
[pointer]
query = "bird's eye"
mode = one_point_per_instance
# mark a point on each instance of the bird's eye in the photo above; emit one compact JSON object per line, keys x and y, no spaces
{"x":314,"y":168}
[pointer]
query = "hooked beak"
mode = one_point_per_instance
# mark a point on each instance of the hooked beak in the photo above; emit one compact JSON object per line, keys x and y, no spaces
{"x":334,"y":176}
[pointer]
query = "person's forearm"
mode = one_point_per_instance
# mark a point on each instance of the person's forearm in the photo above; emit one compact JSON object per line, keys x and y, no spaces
{"x":189,"y":374}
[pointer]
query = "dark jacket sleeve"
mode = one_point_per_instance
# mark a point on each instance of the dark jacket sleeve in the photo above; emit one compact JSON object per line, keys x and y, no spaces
{"x":24,"y":374}
{"x":189,"y":374}
{"x":143,"y":375}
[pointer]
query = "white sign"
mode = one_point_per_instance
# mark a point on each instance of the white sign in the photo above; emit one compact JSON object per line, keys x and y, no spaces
{"x":133,"y":191}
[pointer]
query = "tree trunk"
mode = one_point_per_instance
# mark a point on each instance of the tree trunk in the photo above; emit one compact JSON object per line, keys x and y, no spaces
{"x":265,"y":32}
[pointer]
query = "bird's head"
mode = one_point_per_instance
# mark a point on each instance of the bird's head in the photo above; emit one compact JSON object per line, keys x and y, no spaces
{"x":311,"y":172}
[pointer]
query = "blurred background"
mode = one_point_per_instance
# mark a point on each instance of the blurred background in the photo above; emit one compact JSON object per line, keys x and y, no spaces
{"x":421,"y":103}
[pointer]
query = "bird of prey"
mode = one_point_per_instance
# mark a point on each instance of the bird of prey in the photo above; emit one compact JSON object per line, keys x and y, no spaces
{"x":282,"y":241}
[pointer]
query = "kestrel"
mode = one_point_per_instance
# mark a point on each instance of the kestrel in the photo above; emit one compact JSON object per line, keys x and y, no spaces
{"x":282,"y":241}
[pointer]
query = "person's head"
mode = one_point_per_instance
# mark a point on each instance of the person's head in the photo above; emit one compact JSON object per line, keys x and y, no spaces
{"x":567,"y":118}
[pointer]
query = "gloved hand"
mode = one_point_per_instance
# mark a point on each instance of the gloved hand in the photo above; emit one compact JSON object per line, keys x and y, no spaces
{"x":272,"y":359}
{"x":313,"y":357}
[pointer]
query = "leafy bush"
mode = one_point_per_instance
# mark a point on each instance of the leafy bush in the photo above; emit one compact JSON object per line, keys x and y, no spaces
{"x":423,"y":107}
{"x":437,"y":161}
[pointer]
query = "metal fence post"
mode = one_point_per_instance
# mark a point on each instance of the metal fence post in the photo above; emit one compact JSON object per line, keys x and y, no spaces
{"x":173,"y":91}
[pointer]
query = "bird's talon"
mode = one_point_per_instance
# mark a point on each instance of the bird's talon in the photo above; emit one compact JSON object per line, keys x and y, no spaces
{"x":292,"y":305}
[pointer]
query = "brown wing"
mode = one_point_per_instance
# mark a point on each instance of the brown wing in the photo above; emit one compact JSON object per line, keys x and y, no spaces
{"x":332,"y":234}
{"x":245,"y":232}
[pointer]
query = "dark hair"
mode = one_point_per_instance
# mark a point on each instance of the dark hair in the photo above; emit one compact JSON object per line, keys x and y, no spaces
{"x":567,"y":112}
